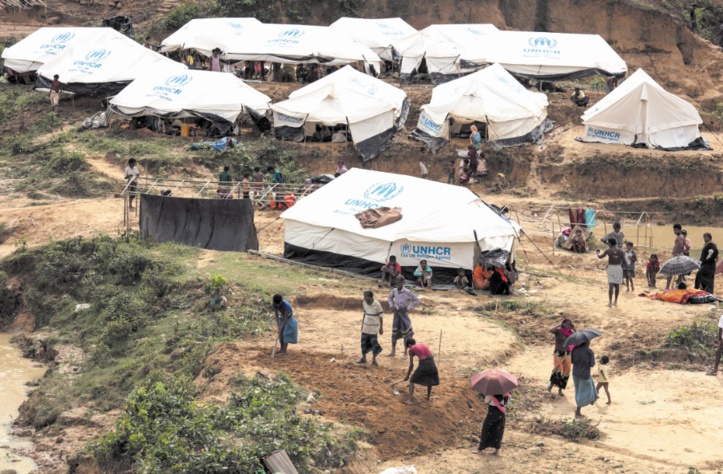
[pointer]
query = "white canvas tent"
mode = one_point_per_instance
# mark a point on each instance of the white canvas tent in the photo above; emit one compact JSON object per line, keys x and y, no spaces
{"x":378,"y":34}
{"x":102,"y":67}
{"x":371,"y":109}
{"x":219,"y":97}
{"x":552,"y":56}
{"x":46,"y":44}
{"x":445,"y":224}
{"x":295,"y":44}
{"x":512,"y":114}
{"x":640,"y":112}
{"x":204,"y":34}
{"x":441,"y":47}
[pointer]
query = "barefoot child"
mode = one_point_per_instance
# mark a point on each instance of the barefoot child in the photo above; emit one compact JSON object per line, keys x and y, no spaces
{"x":602,"y":380}
{"x":651,"y":269}
{"x":372,"y":324}
{"x":630,"y":259}
{"x":461,"y":281}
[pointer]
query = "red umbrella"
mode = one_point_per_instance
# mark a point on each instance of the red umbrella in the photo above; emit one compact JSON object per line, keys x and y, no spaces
{"x":493,"y":382}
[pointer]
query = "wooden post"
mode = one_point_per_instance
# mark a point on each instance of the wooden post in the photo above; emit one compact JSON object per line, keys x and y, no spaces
{"x":439,"y":351}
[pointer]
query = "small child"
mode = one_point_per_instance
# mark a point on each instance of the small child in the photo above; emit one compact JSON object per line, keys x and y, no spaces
{"x":246,"y":186}
{"x":482,"y":165}
{"x":629,"y":266}
{"x":372,"y":324}
{"x":652,"y":269}
{"x":451,"y":172}
{"x":461,"y":281}
{"x":602,"y":380}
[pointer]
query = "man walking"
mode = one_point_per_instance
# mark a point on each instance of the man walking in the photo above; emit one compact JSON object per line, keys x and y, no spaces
{"x":615,"y":269}
{"x":400,"y":301}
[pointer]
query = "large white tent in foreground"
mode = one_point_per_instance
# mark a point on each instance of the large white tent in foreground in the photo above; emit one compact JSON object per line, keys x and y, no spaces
{"x":371,"y":109}
{"x":511,"y":113}
{"x":46,"y":44}
{"x":202,"y":35}
{"x":218,"y":97}
{"x":445,"y":224}
{"x":378,"y":34}
{"x":104,"y":66}
{"x":640,"y":112}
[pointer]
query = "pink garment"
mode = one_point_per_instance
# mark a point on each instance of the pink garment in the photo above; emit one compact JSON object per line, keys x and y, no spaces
{"x":497,"y":403}
{"x":420,"y":350}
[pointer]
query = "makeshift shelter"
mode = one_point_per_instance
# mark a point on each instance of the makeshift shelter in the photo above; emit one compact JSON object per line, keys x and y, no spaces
{"x":550,"y":56}
{"x":46,"y":44}
{"x":377,"y":34}
{"x":296,"y":44}
{"x":102,"y":67}
{"x":641,"y":113}
{"x":204,"y":34}
{"x":441,"y":47}
{"x":218,"y":97}
{"x":370,"y":109}
{"x":446,"y":225}
{"x":512,"y":114}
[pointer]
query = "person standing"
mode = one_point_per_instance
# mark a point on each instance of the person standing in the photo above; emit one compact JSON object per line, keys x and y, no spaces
{"x":214,"y":62}
{"x":583,"y":359}
{"x":705,"y":278}
{"x":561,"y":356}
{"x":629,"y":266}
{"x":678,"y":247}
{"x":719,"y":352}
{"x":258,"y":181}
{"x":688,"y":244}
{"x":603,"y":381}
{"x":56,"y":88}
{"x":651,"y":269}
{"x":287,"y":325}
{"x":400,"y":301}
{"x":372,"y":324}
{"x":493,"y":428}
{"x":131,"y":176}
{"x":615,"y":234}
{"x":426,"y":374}
{"x":615,"y":270}
{"x":246,"y":186}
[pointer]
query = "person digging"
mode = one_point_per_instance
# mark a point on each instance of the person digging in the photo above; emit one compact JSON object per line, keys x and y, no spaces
{"x":426,"y":373}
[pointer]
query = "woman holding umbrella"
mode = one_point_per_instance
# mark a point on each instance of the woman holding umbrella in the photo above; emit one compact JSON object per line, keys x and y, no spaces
{"x":705,"y":278}
{"x":583,"y":359}
{"x":495,"y":385}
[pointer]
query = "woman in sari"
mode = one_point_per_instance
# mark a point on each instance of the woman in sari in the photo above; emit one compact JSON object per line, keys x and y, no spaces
{"x":583,"y":359}
{"x":493,"y":428}
{"x":705,"y":278}
{"x":561,"y":356}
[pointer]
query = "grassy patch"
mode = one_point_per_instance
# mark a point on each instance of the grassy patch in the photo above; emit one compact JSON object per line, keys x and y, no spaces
{"x":163,"y":429}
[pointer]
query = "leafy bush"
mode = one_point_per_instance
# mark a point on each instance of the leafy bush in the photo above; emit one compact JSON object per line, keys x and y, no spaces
{"x":215,"y":284}
{"x":695,"y":342}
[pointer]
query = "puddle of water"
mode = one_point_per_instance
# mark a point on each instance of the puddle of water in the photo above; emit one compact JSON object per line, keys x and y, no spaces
{"x":15,"y":371}
{"x":662,"y":237}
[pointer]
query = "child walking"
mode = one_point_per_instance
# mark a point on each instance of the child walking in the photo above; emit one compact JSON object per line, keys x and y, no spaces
{"x":602,"y":380}
{"x":372,"y":324}
{"x":652,"y":269}
{"x":629,"y":270}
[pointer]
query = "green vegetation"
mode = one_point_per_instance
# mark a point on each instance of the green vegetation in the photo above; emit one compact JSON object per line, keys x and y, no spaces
{"x":163,"y":429}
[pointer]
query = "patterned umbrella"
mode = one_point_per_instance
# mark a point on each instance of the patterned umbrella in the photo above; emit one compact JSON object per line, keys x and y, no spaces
{"x":493,"y":382}
{"x":680,"y":265}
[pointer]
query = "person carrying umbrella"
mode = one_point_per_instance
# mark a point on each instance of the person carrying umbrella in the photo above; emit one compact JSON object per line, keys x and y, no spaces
{"x":495,"y":385}
{"x":426,"y":373}
{"x":583,"y":359}
{"x":615,"y":270}
{"x":561,"y":356}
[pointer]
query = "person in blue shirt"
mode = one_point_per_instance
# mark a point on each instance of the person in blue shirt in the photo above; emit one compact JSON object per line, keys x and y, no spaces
{"x":475,"y":138}
{"x":287,"y":326}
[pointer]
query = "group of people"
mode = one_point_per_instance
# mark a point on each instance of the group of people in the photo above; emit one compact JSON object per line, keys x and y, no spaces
{"x":471,"y":168}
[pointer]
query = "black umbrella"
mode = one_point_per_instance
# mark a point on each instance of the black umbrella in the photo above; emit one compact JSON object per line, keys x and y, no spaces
{"x":583,"y":335}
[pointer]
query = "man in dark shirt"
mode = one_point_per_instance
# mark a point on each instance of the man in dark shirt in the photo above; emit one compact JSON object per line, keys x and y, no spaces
{"x":583,"y":359}
{"x":615,"y":269}
{"x":55,"y":87}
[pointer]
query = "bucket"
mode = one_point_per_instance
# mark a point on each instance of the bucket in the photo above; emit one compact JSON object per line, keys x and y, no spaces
{"x":185,"y":129}
{"x":278,"y":462}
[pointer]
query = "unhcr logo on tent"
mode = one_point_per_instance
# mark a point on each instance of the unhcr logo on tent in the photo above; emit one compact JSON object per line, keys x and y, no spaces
{"x":606,"y":135}
{"x":178,"y":81}
{"x":475,"y":31}
{"x":173,"y":86}
{"x":382,"y":192}
{"x":94,"y":59}
{"x":288,"y":37}
{"x":428,"y":252}
{"x":235,"y":26}
{"x":57,"y":42}
{"x":429,"y":126}
{"x":63,"y":37}
{"x":541,"y":46}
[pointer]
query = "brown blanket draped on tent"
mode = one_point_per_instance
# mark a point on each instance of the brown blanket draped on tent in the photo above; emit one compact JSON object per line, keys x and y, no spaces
{"x":379,"y":217}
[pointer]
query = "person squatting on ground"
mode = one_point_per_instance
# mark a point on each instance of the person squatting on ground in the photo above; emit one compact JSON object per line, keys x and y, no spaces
{"x":499,"y":283}
{"x":426,"y":374}
{"x":131,"y":174}
{"x":602,"y":380}
{"x":719,"y":352}
{"x":561,"y":356}
{"x":651,"y":269}
{"x":461,"y":281}
{"x":577,"y":243}
{"x":372,"y":324}
{"x":400,"y":301}
{"x":390,"y":271}
{"x":287,"y":325}
{"x":629,"y":266}
{"x":615,"y":270}
{"x":583,"y":359}
{"x":493,"y":428}
{"x":579,"y":98}
{"x":423,"y":273}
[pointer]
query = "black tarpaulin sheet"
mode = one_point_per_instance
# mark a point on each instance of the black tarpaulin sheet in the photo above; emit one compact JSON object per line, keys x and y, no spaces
{"x":215,"y":224}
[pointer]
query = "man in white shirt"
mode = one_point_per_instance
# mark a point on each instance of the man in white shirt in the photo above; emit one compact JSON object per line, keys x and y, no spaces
{"x":720,"y":348}
{"x":131,"y":177}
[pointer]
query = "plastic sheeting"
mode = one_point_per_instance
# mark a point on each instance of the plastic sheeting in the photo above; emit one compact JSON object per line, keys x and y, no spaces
{"x":204,"y":34}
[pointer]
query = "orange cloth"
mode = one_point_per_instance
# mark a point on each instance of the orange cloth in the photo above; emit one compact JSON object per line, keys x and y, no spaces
{"x":481,"y":277}
{"x":562,"y":364}
{"x":673,"y":296}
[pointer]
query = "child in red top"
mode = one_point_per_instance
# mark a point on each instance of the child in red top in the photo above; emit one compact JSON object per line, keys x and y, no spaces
{"x":426,"y":373}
